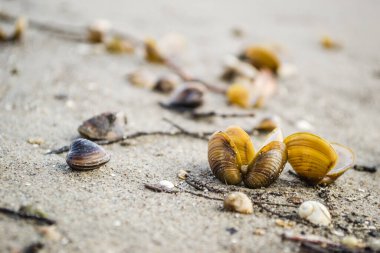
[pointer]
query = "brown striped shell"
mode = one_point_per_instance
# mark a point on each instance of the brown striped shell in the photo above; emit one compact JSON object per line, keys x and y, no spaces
{"x":232,"y":158}
{"x":106,"y":126}
{"x":186,"y":97}
{"x":267,"y":165}
{"x":86,"y":155}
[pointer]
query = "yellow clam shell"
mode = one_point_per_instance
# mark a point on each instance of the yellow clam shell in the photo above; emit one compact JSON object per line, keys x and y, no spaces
{"x":261,"y":58}
{"x":315,"y":160}
{"x":243,"y":143}
{"x":238,"y":94}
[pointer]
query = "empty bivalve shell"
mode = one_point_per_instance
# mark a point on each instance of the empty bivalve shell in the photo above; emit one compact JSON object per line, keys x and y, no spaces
{"x":238,"y":202}
{"x":106,"y":126}
{"x":315,"y":213}
{"x":86,"y":155}
{"x":261,"y":58}
{"x":232,"y":158}
{"x":316,"y":160}
{"x":187,"y":97}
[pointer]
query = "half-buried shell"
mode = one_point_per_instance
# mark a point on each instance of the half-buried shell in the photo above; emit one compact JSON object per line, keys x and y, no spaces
{"x":86,"y":155}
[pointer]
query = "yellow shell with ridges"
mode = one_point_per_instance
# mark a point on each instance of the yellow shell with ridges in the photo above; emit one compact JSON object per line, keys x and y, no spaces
{"x":238,"y":94}
{"x":315,"y":160}
{"x":261,"y":58}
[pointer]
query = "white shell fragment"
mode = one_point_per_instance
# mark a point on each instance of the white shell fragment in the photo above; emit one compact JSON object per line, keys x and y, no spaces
{"x":238,"y":202}
{"x":350,"y":241}
{"x":314,"y":212}
{"x":167,"y":184}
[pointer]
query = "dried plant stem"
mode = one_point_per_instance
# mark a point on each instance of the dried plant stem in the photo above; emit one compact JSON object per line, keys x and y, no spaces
{"x":200,"y":115}
{"x":21,"y":215}
{"x":365,"y":168}
{"x":182,"y":132}
{"x":185,"y":132}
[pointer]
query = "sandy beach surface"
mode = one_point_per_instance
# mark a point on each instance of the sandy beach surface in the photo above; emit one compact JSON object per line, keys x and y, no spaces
{"x":49,"y":85}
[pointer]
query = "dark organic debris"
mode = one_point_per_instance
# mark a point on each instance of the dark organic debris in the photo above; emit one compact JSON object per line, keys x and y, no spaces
{"x":365,"y":168}
{"x":33,"y":248}
{"x":159,"y":188}
{"x":22,"y":214}
{"x":232,"y":230}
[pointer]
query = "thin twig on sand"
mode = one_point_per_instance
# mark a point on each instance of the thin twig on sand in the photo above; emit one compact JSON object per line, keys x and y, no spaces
{"x":21,"y":215}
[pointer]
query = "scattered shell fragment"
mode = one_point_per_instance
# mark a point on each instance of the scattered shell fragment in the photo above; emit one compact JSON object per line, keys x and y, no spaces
{"x":187,"y":97}
{"x":304,"y":125}
{"x":49,"y":232}
{"x":171,"y":45}
{"x":314,"y":212}
{"x":284,"y":223}
{"x":166,"y":84}
{"x":118,"y":45}
{"x":294,"y":200}
{"x":86,"y":155}
{"x":268,"y":124}
{"x":328,"y":43}
{"x":167,"y":184}
{"x":287,"y":71}
{"x":238,"y":94}
{"x":261,"y":58}
{"x":165,"y":48}
{"x":232,"y":158}
{"x":317,"y":161}
{"x":17,"y":34}
{"x":182,"y":174}
{"x":259,"y":231}
{"x":253,"y":94}
{"x":235,"y":68}
{"x":97,"y":30}
{"x":238,"y":202}
{"x":152,"y":53}
{"x":106,"y":126}
{"x":351,"y":242}
{"x":142,"y":78}
{"x":36,"y":140}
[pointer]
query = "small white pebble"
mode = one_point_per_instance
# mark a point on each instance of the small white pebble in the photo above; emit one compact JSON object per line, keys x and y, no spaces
{"x":70,"y":104}
{"x":117,"y":223}
{"x":304,"y":125}
{"x":167,"y":184}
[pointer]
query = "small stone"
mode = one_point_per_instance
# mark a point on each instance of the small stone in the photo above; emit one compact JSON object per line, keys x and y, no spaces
{"x":295,"y":200}
{"x":285,"y":223}
{"x":287,"y":71}
{"x":304,"y":125}
{"x":36,"y":140}
{"x":182,"y":174}
{"x":117,"y":223}
{"x":49,"y":232}
{"x":167,"y":184}
{"x":259,"y":232}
